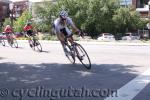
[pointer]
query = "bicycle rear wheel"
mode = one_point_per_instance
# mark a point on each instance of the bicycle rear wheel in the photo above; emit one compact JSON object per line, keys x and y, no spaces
{"x":2,"y":42}
{"x":38,"y":46}
{"x":14,"y":43}
{"x":70,"y":53}
{"x":82,"y":56}
{"x":31,"y":44}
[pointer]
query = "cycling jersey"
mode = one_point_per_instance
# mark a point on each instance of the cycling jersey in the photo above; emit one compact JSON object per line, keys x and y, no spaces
{"x":28,"y":27}
{"x":29,"y":30}
{"x":58,"y":25}
{"x":8,"y":30}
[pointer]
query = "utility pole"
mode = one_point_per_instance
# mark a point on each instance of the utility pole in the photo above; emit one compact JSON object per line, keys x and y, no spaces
{"x":149,"y":19}
{"x":11,"y":7}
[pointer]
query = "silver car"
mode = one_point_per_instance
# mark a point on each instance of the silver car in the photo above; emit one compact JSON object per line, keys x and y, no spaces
{"x":131,"y":36}
{"x":106,"y":37}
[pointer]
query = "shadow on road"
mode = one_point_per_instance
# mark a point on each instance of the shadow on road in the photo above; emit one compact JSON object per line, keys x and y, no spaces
{"x":44,"y":51}
{"x":1,"y":58}
{"x":53,"y":75}
{"x":26,"y":73}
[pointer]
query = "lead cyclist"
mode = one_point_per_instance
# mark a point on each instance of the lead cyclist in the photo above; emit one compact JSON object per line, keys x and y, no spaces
{"x":61,"y":28}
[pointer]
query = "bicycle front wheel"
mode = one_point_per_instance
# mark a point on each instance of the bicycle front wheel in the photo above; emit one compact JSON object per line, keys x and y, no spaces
{"x":14,"y":43}
{"x":2,"y":42}
{"x":31,"y":44}
{"x":70,"y":53}
{"x":82,"y":56}
{"x":38,"y":46}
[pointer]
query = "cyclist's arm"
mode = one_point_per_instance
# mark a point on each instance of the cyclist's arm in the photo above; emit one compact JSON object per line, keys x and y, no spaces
{"x":75,"y":29}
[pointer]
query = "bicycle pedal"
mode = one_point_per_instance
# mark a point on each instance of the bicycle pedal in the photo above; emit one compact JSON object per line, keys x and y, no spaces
{"x":81,"y":57}
{"x":31,"y":45}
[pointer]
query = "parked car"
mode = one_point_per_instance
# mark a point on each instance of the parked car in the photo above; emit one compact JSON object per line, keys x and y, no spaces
{"x":106,"y":37}
{"x":131,"y":36}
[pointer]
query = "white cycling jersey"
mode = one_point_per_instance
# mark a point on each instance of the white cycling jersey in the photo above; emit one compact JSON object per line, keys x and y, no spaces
{"x":59,"y":25}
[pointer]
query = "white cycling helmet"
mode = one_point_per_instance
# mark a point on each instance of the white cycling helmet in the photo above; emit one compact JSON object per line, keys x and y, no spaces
{"x":63,"y":14}
{"x":8,"y":26}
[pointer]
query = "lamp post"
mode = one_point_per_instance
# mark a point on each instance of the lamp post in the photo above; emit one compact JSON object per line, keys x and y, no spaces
{"x":11,"y":7}
{"x":149,"y":19}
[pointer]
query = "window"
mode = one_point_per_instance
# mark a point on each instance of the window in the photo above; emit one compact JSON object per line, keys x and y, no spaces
{"x":125,"y":2}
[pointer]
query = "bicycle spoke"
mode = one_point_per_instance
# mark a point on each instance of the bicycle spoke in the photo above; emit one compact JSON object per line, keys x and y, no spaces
{"x":2,"y":42}
{"x":70,"y":54}
{"x":14,"y":43}
{"x":83,"y":56}
{"x":31,"y":44}
{"x":38,"y":46}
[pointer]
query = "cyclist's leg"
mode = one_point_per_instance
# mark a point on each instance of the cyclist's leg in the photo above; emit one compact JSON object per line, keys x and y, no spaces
{"x":69,"y":35}
{"x":8,"y":37}
{"x":71,"y":40}
{"x":30,"y":34}
{"x":11,"y":38}
{"x":61,"y":37}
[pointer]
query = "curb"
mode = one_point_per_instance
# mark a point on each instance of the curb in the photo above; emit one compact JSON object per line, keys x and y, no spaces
{"x":97,"y":43}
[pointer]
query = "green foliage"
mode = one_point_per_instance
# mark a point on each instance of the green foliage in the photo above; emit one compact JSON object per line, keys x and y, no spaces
{"x":21,"y":21}
{"x":92,"y":16}
{"x":45,"y":16}
{"x":7,"y":21}
{"x":127,"y":20}
{"x":49,"y":37}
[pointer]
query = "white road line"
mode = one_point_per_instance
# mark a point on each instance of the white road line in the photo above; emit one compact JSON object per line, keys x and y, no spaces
{"x":131,"y":89}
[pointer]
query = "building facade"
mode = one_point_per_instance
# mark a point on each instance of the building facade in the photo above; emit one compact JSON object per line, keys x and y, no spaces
{"x":4,"y":9}
{"x":142,"y":7}
{"x":20,"y":6}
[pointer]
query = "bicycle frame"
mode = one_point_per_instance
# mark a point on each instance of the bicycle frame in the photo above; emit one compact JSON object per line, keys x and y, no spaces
{"x":34,"y":43}
{"x":76,"y":48}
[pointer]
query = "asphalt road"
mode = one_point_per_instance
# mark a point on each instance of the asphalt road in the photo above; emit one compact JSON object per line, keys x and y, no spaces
{"x":29,"y":75}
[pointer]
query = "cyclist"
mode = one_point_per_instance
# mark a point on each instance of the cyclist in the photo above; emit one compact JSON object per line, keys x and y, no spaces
{"x":8,"y":31}
{"x":29,"y":29}
{"x":61,"y":28}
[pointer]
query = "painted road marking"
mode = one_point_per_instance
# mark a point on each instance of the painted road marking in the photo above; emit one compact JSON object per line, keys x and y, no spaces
{"x":131,"y":89}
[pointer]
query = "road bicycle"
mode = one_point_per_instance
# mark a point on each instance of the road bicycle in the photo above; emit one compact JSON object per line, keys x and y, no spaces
{"x":34,"y":42}
{"x":11,"y":40}
{"x":76,"y":50}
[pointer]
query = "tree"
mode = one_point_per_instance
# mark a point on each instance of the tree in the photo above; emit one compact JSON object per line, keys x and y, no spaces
{"x":99,"y":17}
{"x":21,"y":21}
{"x":126,"y":19}
{"x":45,"y":15}
{"x":92,"y":16}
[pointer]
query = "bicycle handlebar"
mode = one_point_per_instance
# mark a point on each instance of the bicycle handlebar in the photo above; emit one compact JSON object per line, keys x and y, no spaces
{"x":81,"y":34}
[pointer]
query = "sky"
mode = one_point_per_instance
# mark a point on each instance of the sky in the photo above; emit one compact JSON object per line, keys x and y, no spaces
{"x":126,"y":1}
{"x":123,"y":1}
{"x":29,"y":0}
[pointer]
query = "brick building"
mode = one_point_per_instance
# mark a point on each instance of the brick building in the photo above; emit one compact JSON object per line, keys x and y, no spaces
{"x":142,"y":7}
{"x":4,"y":9}
{"x":139,"y":3}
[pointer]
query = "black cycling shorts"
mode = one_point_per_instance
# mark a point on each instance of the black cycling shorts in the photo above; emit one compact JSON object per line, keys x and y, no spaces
{"x":30,"y":33}
{"x":64,"y":31}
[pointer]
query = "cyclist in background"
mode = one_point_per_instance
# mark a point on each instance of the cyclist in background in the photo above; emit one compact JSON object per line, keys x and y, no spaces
{"x":8,"y":32}
{"x":61,"y":28}
{"x":29,"y":29}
